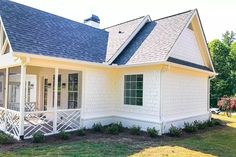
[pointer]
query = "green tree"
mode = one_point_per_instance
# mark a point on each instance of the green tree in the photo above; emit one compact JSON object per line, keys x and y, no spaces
{"x":220,"y":86}
{"x":228,"y":38}
{"x":232,"y":62}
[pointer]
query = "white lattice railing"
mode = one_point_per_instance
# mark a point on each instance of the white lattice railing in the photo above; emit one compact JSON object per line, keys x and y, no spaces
{"x":30,"y":106}
{"x":39,"y":121}
{"x":12,"y":125}
{"x":68,"y":120}
{"x":2,"y":119}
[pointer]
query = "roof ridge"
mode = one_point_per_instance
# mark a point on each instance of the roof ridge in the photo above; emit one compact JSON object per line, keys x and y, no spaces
{"x":124,"y":22}
{"x":51,"y":14}
{"x":172,"y":15}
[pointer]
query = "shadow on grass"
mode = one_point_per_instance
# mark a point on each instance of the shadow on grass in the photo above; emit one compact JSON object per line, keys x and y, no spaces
{"x":218,"y":142}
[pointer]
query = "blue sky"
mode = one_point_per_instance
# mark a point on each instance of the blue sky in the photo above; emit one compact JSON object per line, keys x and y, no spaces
{"x":217,"y":15}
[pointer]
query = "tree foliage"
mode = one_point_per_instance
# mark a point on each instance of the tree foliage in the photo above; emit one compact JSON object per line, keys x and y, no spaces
{"x":228,"y":38}
{"x":224,"y":59}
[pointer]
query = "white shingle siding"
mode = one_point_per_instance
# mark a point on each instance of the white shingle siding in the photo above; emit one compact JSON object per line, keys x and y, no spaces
{"x":186,"y":48}
{"x":99,"y":95}
{"x":150,"y":109}
{"x":104,"y":99}
{"x":183,"y":95}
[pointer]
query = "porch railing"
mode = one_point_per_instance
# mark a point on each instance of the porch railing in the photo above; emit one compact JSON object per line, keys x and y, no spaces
{"x":42,"y":121}
{"x":39,"y":121}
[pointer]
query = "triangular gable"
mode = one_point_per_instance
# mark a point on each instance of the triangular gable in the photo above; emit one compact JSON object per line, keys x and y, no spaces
{"x":121,"y":35}
{"x":5,"y":46}
{"x":191,"y":45}
{"x":186,"y":48}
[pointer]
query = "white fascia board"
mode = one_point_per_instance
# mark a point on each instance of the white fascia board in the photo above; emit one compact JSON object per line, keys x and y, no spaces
{"x":169,"y":64}
{"x":28,"y":56}
{"x":140,"y":26}
{"x":205,"y":42}
{"x":4,"y":31}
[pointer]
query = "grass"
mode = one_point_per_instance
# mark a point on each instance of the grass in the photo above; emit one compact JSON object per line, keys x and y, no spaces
{"x":218,"y":142}
{"x":90,"y":149}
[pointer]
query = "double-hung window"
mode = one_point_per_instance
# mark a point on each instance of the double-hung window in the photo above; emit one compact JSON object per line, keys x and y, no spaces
{"x":133,"y":89}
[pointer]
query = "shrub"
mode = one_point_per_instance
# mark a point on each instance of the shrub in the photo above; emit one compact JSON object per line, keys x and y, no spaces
{"x":97,"y":127}
{"x":190,"y":127}
{"x":152,"y":132}
{"x":38,"y":137}
{"x":120,"y":127}
{"x":135,"y":130}
{"x":6,"y":139}
{"x":216,"y":122}
{"x":64,"y":135}
{"x":210,"y":123}
{"x":113,"y":129}
{"x":200,"y":125}
{"x":81,"y":132}
{"x":175,"y":132}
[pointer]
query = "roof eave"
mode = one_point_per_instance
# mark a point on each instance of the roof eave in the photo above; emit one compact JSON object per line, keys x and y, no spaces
{"x":29,"y":55}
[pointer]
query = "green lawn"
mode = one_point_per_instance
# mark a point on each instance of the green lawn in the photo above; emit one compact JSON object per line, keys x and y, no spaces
{"x":219,"y":142}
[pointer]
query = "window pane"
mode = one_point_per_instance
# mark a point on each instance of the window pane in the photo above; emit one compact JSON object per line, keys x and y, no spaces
{"x":139,"y":85}
{"x":139,"y":93}
{"x":127,"y":85}
{"x":127,"y":93}
{"x":139,"y":101}
{"x":132,"y":93}
{"x":126,"y":100}
{"x":133,"y":85}
{"x":139,"y":77}
{"x":128,"y":77}
{"x":133,"y":77}
{"x":132,"y":101}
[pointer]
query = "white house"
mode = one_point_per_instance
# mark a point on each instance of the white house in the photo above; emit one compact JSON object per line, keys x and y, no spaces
{"x":58,"y":74}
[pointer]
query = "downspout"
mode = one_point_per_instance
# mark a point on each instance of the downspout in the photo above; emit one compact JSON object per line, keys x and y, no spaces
{"x":209,"y":94}
{"x":160,"y":105}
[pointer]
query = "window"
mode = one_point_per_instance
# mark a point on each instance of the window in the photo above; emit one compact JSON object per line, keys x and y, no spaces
{"x":73,"y":91}
{"x":58,"y":90}
{"x":45,"y":95}
{"x":133,"y":90}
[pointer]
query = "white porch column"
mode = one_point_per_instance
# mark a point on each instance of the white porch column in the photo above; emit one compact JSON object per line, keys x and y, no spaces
{"x":22,"y":99}
{"x":55,"y":101}
{"x":6,"y":96}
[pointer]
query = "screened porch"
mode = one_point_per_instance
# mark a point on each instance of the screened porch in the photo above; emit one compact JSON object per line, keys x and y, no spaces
{"x":31,"y":102}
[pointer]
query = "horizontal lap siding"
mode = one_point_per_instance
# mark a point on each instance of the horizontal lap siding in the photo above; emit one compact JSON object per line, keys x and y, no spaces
{"x":183,"y":95}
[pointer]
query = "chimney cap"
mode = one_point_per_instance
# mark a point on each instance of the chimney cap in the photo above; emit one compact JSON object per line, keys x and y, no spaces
{"x":94,"y":18}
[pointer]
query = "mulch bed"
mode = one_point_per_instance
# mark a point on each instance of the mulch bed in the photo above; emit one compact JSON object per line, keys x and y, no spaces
{"x":122,"y":138}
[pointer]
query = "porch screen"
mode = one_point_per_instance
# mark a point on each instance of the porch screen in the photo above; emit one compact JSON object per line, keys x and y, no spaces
{"x":133,"y":90}
{"x":73,"y":91}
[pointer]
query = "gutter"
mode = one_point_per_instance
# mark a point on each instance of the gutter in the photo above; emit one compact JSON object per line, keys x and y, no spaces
{"x":59,"y":59}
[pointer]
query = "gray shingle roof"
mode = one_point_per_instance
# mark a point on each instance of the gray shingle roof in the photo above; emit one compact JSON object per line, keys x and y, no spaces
{"x":154,"y":40}
{"x":118,"y":34}
{"x":37,"y":32}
